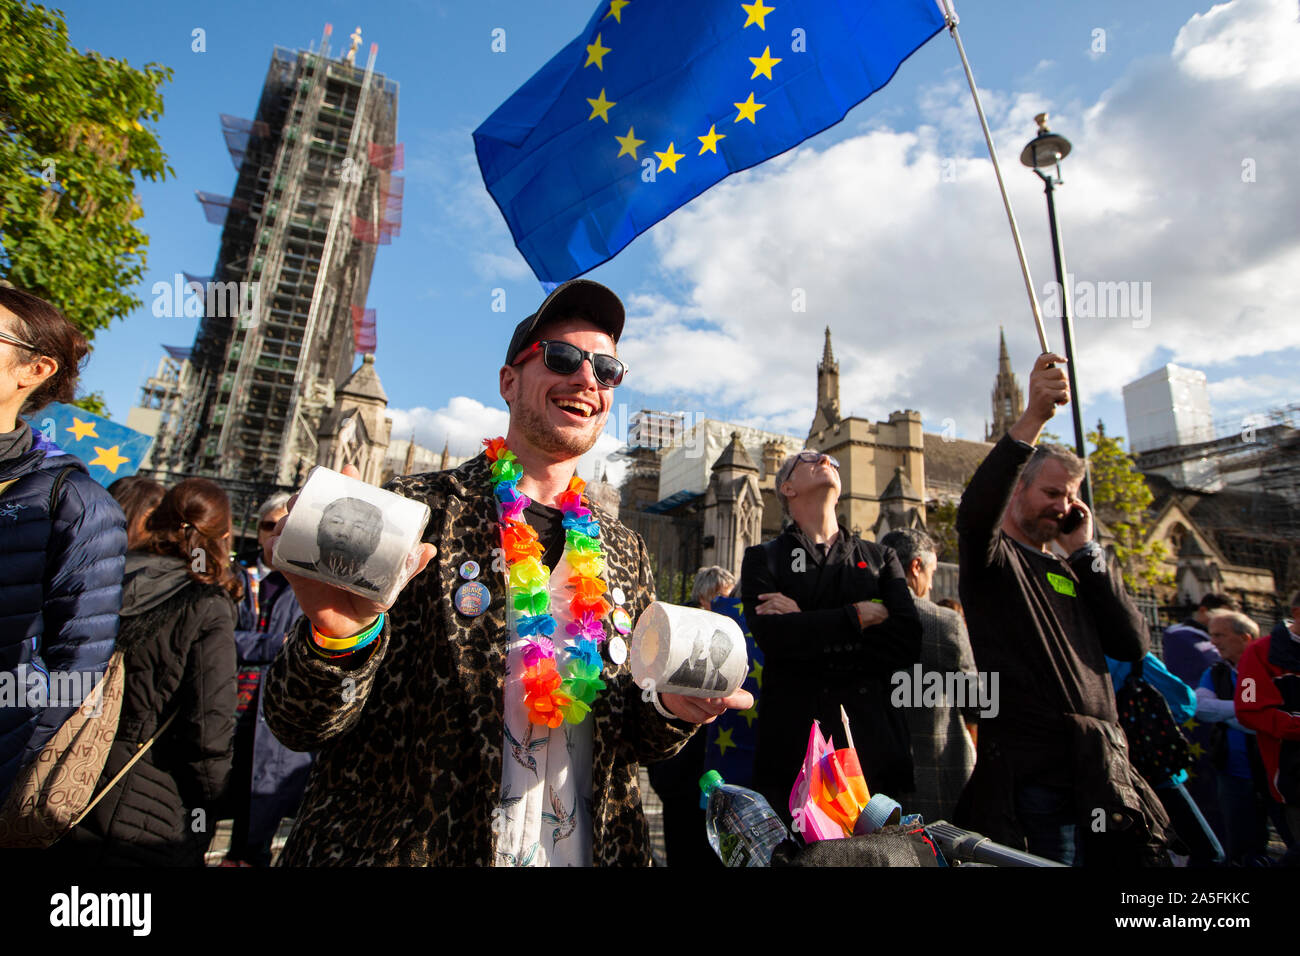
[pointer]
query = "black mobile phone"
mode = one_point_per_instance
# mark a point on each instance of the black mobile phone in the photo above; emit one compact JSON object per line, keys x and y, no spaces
{"x":1073,"y":518}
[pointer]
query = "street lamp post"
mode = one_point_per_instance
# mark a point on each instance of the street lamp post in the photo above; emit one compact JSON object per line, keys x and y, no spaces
{"x":1044,"y":151}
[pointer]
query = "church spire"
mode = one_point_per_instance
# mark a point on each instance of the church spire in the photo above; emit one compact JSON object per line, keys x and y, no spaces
{"x":828,"y":357}
{"x":828,"y":388}
{"x":1008,"y":400}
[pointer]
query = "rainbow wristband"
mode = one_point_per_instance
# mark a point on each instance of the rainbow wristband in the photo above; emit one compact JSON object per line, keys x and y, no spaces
{"x":342,"y":646}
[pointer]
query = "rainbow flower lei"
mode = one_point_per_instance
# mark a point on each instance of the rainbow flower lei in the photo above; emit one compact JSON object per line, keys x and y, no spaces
{"x":549,"y":696}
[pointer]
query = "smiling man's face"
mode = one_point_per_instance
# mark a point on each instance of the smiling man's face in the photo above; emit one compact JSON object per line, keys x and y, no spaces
{"x":559,"y":415}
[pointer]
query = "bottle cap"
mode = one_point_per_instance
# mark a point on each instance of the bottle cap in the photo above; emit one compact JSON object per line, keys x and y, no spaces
{"x":710,"y":782}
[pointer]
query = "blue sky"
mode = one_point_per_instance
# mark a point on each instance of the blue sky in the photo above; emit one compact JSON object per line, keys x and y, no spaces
{"x":889,"y":221}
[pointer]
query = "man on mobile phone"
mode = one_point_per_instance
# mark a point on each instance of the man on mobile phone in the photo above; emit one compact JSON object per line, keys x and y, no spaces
{"x":1052,"y":772}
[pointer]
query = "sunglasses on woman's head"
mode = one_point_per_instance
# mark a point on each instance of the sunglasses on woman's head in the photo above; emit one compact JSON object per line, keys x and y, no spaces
{"x":565,"y":358}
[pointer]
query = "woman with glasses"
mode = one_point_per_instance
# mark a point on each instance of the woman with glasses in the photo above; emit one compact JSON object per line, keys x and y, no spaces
{"x":62,"y":537}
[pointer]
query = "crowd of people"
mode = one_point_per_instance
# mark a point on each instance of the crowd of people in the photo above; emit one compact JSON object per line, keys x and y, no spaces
{"x":145,"y":571}
{"x":489,"y":716}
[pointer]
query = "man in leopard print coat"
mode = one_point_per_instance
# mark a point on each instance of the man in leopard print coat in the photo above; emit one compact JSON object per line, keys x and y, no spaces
{"x":411,"y":733}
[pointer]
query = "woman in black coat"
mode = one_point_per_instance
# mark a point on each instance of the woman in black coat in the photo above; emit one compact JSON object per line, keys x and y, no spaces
{"x":177,"y":635}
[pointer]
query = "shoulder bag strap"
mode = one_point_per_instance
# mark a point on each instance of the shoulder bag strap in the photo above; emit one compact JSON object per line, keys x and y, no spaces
{"x":140,"y":752}
{"x":58,"y":483}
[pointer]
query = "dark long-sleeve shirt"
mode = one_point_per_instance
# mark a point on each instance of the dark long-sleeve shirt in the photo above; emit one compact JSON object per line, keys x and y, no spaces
{"x":1043,"y":624}
{"x":820,"y":658}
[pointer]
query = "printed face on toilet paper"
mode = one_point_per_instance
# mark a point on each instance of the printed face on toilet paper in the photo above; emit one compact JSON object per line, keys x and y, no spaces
{"x":345,"y":532}
{"x":688,"y":651}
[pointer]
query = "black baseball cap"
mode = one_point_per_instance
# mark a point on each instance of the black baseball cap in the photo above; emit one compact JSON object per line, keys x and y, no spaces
{"x":576,"y":295}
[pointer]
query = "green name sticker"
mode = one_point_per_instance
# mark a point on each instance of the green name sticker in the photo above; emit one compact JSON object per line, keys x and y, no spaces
{"x":1061,"y":584}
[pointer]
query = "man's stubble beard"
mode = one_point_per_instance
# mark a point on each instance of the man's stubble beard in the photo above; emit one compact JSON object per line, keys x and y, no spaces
{"x":537,"y":431}
{"x":1032,"y":526}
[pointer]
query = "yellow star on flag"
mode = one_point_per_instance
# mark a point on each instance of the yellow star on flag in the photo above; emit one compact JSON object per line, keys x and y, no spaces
{"x":763,"y":64}
{"x":756,"y":672}
{"x":600,"y":106}
{"x":1191,"y":724}
{"x":667,"y":159}
{"x":82,"y":429}
{"x":756,"y":12}
{"x":749,"y":109}
{"x":750,"y":715}
{"x":710,"y":141}
{"x":629,"y":143}
{"x":109,"y":458}
{"x":616,"y":10}
{"x":595,"y":54}
{"x":724,"y":740}
{"x":1196,"y":750}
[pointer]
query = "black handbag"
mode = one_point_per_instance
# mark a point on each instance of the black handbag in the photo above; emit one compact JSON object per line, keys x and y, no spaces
{"x":891,"y":845}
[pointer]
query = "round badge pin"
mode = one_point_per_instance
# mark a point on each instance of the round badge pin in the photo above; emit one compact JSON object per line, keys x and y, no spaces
{"x":621,"y":620}
{"x":617,"y":650}
{"x":472,"y":598}
{"x":618,"y":596}
{"x":469,"y":570}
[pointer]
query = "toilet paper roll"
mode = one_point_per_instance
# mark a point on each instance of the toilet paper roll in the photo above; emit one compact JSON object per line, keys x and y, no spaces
{"x":688,"y":651}
{"x":350,"y":534}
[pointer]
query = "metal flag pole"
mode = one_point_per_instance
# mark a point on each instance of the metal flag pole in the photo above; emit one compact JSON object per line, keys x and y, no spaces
{"x":950,"y":17}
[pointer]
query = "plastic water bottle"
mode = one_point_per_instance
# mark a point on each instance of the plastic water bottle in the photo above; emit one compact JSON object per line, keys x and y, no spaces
{"x":743,"y":828}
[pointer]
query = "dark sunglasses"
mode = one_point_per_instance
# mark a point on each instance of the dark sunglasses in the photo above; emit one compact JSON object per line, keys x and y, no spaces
{"x":565,"y":359}
{"x":267,"y":525}
{"x":815,"y":456}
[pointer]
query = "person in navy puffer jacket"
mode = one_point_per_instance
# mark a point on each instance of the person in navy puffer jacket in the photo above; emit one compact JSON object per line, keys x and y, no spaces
{"x":60,"y":569}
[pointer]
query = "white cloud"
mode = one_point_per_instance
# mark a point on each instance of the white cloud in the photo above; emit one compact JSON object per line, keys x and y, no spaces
{"x":1240,"y":391}
{"x":1240,"y":40}
{"x":494,"y":266}
{"x":898,"y":241}
{"x":462,"y":423}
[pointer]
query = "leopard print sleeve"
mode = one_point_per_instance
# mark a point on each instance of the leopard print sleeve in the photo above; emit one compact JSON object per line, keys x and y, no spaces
{"x":309,"y":700}
{"x":656,"y":737}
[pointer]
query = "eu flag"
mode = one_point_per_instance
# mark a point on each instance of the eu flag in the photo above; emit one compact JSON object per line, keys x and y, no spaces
{"x":655,"y":102}
{"x":732,"y":739}
{"x":110,"y":451}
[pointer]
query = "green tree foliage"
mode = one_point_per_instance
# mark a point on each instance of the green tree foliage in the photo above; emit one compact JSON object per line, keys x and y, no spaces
{"x":93,"y":403}
{"x":1121,"y":498}
{"x":76,"y":131}
{"x":942,"y":527}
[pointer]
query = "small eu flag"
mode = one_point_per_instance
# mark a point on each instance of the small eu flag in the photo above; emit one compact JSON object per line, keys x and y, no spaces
{"x":110,"y":451}
{"x":655,"y":102}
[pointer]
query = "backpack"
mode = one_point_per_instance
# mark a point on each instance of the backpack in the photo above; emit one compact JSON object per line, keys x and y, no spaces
{"x":1157,"y":748}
